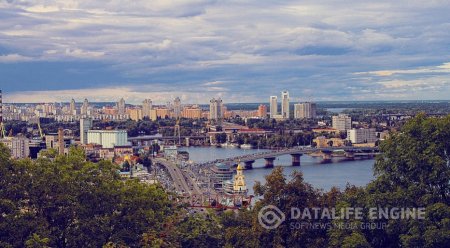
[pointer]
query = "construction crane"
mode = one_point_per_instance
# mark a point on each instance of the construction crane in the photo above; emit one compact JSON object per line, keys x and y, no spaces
{"x":39,"y":127}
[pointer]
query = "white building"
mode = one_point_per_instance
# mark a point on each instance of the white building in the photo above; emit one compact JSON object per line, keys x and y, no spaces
{"x":121,"y":106}
{"x":216,"y":110}
{"x":19,"y":146}
{"x":273,"y":106}
{"x":177,"y":108}
{"x":306,"y":110}
{"x":362,"y":135}
{"x":84,"y":108}
{"x":285,"y":104}
{"x":108,"y":138}
{"x":342,"y":122}
{"x":85,"y":125}
{"x":147,"y":106}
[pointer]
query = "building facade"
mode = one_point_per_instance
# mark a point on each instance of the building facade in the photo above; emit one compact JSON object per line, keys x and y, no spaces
{"x":108,"y":138}
{"x":273,"y":106}
{"x":306,"y":110}
{"x":342,"y":122}
{"x":121,"y":106}
{"x":216,"y":111}
{"x":285,"y":104}
{"x":177,"y":108}
{"x":262,"y":111}
{"x":19,"y":146}
{"x":147,"y":105}
{"x":85,"y":125}
{"x":362,"y":135}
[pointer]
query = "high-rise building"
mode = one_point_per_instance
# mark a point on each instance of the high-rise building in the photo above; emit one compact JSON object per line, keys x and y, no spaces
{"x":84,"y":108}
{"x":262,"y":110}
{"x":121,"y":106}
{"x":306,"y":110}
{"x":85,"y":126}
{"x":273,"y":106}
{"x":72,"y":108}
{"x":362,"y":135}
{"x":177,"y":108}
{"x":146,"y":107}
{"x":285,"y":104}
{"x":108,"y":138}
{"x":216,"y":111}
{"x":342,"y":122}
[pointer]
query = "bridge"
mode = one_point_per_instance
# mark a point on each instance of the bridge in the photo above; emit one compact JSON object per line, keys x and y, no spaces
{"x":296,"y":153}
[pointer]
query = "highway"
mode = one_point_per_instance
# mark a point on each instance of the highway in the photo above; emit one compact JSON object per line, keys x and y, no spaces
{"x":183,"y":182}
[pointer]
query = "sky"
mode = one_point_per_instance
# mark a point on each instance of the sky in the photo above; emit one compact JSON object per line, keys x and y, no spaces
{"x":241,"y":51}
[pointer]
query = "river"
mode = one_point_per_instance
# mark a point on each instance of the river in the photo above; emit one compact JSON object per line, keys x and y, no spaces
{"x":324,"y":176}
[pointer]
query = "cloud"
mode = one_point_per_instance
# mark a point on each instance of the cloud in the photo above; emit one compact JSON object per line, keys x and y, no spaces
{"x":330,"y":50}
{"x":14,"y":58}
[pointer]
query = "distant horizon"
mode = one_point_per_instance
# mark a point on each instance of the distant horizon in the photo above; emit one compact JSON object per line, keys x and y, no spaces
{"x":237,"y":103}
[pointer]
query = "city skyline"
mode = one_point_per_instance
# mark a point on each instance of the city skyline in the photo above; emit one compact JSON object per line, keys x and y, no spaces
{"x":242,"y":52}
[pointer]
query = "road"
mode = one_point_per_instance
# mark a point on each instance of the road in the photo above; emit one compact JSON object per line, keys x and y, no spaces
{"x":183,"y":182}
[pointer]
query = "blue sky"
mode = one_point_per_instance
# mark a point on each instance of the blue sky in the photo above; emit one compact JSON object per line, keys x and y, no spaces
{"x":242,"y":51}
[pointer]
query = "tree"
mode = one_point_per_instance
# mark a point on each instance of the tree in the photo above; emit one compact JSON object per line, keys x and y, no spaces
{"x":412,"y":171}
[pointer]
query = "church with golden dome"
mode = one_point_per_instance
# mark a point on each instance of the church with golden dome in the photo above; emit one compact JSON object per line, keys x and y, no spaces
{"x":239,"y":185}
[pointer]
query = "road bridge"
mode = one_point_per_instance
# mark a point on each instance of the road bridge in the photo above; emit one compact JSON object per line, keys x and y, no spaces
{"x":296,"y":153}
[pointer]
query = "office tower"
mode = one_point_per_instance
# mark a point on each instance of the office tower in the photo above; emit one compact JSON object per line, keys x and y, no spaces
{"x":121,"y":106}
{"x":85,"y":126}
{"x":306,"y":110}
{"x":72,"y":108}
{"x":285,"y":104}
{"x":273,"y":106}
{"x":216,"y":110}
{"x":177,"y":108}
{"x":262,"y":110}
{"x":84,"y":108}
{"x":147,"y":105}
{"x":342,"y":122}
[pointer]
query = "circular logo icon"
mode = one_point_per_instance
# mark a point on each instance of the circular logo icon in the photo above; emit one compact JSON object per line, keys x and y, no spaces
{"x":270,"y":217}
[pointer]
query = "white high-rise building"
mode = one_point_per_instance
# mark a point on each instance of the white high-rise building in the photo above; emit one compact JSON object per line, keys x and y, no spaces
{"x":177,"y":108}
{"x":362,"y":135}
{"x":108,"y":138}
{"x":306,"y":110}
{"x":121,"y":106}
{"x":273,"y":106}
{"x":72,"y":108}
{"x":147,"y":106}
{"x":216,"y":110}
{"x":84,"y":108}
{"x":85,"y":126}
{"x":285,"y":104}
{"x":342,"y":122}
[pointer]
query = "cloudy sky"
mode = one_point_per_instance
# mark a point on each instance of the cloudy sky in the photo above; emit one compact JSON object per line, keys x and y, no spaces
{"x":242,"y":51}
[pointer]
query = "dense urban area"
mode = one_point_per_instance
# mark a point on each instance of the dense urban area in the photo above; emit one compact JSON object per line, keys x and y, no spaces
{"x":81,"y":174}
